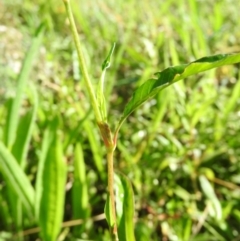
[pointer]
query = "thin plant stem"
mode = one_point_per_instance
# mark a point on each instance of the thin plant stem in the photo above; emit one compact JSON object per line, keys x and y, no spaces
{"x":82,"y":62}
{"x":111,"y":192}
{"x":106,"y":134}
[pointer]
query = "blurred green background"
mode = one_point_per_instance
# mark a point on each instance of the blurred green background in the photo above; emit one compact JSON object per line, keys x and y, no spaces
{"x":181,"y":150}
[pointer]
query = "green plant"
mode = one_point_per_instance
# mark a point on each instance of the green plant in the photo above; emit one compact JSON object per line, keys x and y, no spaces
{"x":179,"y":178}
{"x":124,"y":222}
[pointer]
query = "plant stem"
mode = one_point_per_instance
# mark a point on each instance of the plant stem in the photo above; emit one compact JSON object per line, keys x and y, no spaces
{"x":110,"y":145}
{"x":106,"y":134}
{"x":82,"y":62}
{"x":111,"y":191}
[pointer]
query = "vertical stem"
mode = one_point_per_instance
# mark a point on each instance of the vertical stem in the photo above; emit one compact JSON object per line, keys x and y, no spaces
{"x":106,"y":134}
{"x":110,"y":145}
{"x":82,"y":63}
{"x":111,"y":191}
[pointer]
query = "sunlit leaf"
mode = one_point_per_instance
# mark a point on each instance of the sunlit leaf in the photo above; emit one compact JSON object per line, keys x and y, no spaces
{"x":173,"y":74}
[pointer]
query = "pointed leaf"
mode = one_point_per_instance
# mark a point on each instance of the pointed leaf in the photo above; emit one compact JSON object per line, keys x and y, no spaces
{"x":107,"y":61}
{"x":24,"y":132}
{"x":173,"y":74}
{"x":13,"y":115}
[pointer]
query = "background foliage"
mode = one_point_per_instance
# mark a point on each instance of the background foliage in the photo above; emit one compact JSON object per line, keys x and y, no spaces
{"x":180,"y":150}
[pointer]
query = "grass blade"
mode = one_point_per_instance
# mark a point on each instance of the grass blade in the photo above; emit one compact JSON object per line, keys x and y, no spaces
{"x":25,"y":129}
{"x":16,"y":178}
{"x":13,"y":115}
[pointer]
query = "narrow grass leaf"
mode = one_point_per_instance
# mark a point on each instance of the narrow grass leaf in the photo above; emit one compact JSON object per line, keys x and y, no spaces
{"x":13,"y":115}
{"x":16,"y":178}
{"x":24,"y":132}
{"x":173,"y":74}
{"x":19,"y":151}
{"x":124,"y":208}
{"x":53,"y":192}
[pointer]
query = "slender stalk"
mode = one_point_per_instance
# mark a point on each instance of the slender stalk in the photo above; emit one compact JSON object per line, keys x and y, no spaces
{"x":82,"y":62}
{"x":111,"y":192}
{"x":106,"y":133}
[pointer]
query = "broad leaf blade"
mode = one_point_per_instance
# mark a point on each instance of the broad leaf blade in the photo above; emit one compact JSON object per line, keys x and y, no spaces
{"x":53,"y":191}
{"x":173,"y":74}
{"x":124,"y":208}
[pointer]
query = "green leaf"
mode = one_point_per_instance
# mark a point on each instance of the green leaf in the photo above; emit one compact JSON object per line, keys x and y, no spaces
{"x":16,"y":178}
{"x":24,"y":132}
{"x":124,"y":208}
{"x":107,"y":61}
{"x":13,"y":115}
{"x":53,"y":191}
{"x":48,"y":137}
{"x":173,"y":74}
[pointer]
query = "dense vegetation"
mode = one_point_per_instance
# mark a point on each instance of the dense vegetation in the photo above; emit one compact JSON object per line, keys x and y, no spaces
{"x":180,"y":150}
